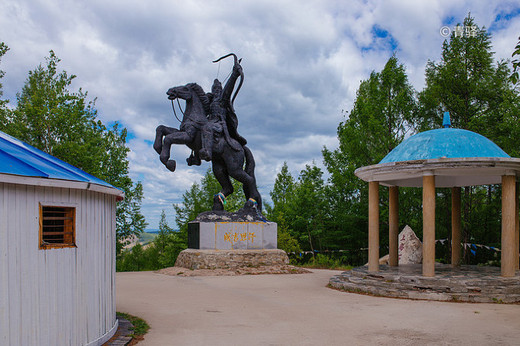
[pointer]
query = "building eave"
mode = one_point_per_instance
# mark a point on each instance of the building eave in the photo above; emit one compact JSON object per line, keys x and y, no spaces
{"x":70,"y":184}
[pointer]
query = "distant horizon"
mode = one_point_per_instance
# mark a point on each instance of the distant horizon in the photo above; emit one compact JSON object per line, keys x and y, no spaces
{"x":156,"y":230}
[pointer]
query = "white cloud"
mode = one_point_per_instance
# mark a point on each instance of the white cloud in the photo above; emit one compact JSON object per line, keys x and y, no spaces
{"x":303,"y":62}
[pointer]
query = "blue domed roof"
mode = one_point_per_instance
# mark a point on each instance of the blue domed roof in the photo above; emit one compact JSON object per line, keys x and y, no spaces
{"x":444,"y":143}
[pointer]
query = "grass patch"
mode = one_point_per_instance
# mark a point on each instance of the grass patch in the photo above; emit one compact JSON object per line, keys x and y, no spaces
{"x":498,"y":301}
{"x":325,"y":262}
{"x":321,"y":266}
{"x":140,"y":325}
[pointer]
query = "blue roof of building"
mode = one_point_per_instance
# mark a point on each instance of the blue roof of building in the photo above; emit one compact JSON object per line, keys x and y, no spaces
{"x":19,"y":158}
{"x":444,"y":143}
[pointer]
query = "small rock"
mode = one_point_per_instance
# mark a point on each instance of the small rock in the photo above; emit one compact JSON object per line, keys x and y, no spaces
{"x":384,"y":260}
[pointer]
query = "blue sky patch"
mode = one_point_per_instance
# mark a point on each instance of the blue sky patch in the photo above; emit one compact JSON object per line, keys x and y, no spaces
{"x":502,"y":19}
{"x":381,"y":39}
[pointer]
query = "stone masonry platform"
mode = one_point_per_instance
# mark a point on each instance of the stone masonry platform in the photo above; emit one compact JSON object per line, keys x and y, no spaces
{"x":230,"y":259}
{"x":474,"y":284}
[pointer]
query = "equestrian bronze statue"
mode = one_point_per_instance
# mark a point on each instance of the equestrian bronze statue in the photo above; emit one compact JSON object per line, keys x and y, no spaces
{"x":209,"y":127}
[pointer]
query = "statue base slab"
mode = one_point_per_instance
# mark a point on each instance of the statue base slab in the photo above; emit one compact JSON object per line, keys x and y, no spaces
{"x":230,"y":259}
{"x":216,"y":235}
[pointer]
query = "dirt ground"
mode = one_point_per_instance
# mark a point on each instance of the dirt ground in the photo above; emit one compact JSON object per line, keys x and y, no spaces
{"x":299,"y":309}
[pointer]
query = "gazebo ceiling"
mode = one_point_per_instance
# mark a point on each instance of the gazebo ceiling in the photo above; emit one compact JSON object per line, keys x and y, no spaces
{"x":455,"y":157}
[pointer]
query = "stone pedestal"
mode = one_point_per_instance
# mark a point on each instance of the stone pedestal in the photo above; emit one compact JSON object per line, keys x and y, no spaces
{"x":230,"y":259}
{"x":222,"y":240}
{"x":232,"y":235}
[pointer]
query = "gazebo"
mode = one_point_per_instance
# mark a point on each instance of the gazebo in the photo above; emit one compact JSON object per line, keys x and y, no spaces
{"x":446,"y":157}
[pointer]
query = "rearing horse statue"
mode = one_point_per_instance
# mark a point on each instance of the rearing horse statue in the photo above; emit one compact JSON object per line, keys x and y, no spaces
{"x":209,"y":129}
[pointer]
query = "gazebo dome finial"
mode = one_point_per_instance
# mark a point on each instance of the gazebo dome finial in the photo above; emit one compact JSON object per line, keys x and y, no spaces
{"x":446,"y":122}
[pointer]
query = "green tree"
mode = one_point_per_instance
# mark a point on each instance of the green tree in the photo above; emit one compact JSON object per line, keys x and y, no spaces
{"x":51,"y":118}
{"x":477,"y":92}
{"x":383,"y":113}
{"x":282,"y":193}
{"x":160,"y":253}
{"x":168,"y":243}
{"x":282,"y":196}
{"x":480,"y":97}
{"x":199,"y":198}
{"x":4,"y":111}
{"x":164,"y":230}
{"x":129,"y":220}
{"x":3,"y":49}
{"x":308,"y":208}
{"x":516,"y":63}
{"x":193,"y":203}
{"x":135,"y":261}
{"x":283,"y":186}
{"x":286,"y":241}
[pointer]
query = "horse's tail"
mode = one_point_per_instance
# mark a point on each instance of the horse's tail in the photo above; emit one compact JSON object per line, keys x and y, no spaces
{"x":250,"y":162}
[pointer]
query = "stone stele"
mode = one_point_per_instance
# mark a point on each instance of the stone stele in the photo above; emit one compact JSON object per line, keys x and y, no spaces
{"x":410,"y":248}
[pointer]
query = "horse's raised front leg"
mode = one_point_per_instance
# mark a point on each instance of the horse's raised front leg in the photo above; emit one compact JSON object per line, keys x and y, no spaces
{"x":178,"y":137}
{"x":160,"y":132}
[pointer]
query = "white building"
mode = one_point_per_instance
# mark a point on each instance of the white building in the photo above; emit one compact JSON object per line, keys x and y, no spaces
{"x":57,"y":250}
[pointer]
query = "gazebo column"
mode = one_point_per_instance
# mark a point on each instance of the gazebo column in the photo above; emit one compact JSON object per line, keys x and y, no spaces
{"x":508,"y":253}
{"x":393,"y":225}
{"x":517,"y":235}
{"x":428,"y":266}
{"x":456,"y":249}
{"x":373,"y":226}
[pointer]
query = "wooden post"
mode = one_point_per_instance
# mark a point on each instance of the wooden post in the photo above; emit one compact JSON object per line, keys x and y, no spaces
{"x":456,"y":249}
{"x":428,"y":225}
{"x":393,"y":225}
{"x":373,"y":226}
{"x":508,"y":245}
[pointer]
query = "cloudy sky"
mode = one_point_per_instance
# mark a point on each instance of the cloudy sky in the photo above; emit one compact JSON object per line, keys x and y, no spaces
{"x":303,"y":62}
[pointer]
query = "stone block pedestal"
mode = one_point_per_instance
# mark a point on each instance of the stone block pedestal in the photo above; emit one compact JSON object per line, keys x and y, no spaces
{"x":232,"y":235}
{"x":231,"y":245}
{"x":230,"y":259}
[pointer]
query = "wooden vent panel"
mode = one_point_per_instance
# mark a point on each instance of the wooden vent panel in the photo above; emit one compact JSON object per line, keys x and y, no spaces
{"x":57,"y":227}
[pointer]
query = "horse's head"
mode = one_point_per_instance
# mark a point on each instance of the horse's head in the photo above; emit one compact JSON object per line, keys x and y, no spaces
{"x":182,"y":92}
{"x":193,"y":94}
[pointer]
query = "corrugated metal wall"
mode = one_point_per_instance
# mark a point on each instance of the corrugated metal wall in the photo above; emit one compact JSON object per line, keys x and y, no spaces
{"x":56,"y":296}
